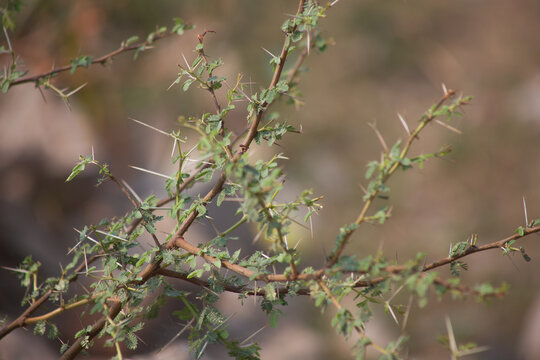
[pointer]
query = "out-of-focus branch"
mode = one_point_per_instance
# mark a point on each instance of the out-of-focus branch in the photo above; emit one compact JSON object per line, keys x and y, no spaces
{"x":101,"y":60}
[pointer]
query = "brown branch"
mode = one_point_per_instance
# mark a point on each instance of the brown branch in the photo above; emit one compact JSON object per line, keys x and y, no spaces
{"x":462,"y":289}
{"x":183,"y":244}
{"x":77,"y":347}
{"x":58,"y":310}
{"x":178,"y":238}
{"x":338,"y":306}
{"x":101,"y":60}
{"x":277,"y":74}
{"x":297,"y":64}
{"x":414,"y":135}
{"x":270,"y":218}
{"x":474,"y":249}
{"x":395,"y":269}
{"x":447,"y":260}
{"x":22,"y":319}
{"x":201,"y":52}
{"x":149,"y":270}
{"x":164,"y":202}
{"x":230,"y":288}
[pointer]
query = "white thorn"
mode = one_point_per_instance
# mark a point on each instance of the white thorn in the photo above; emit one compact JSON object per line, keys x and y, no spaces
{"x":404,"y":123}
{"x":445,"y":90}
{"x":525,"y":211}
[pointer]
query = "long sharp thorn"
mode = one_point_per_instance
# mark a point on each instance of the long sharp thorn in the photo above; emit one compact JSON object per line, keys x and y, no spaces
{"x":392,"y":313}
{"x":268,"y":52}
{"x":185,"y":60}
{"x":131,"y":191}
{"x":406,"y":316}
{"x":173,"y":148}
{"x":525,"y":212}
{"x":152,"y":127}
{"x":404,"y":123}
{"x":445,"y":90}
{"x":451,"y":337}
{"x":151,"y":172}
{"x":451,"y":128}
{"x":252,"y":335}
{"x":77,"y":89}
{"x":381,"y":139}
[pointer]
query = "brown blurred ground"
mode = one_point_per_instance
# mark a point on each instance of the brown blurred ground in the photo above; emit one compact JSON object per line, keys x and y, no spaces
{"x":389,"y":57}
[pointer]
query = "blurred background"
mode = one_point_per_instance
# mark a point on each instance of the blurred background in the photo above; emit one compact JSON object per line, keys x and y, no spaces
{"x":389,"y":57}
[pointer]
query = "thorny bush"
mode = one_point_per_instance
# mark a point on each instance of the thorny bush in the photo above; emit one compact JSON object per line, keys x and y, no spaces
{"x":123,"y":276}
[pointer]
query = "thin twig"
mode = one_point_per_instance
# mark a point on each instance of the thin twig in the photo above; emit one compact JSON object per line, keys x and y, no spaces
{"x":101,"y":60}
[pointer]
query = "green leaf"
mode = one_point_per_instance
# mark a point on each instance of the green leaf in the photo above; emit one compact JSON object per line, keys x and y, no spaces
{"x":195,"y":273}
{"x":180,"y":26}
{"x":131,"y":40}
{"x":459,"y":249}
{"x":282,"y":86}
{"x":131,"y":341}
{"x":274,"y":318}
{"x":53,"y":332}
{"x":184,"y":314}
{"x":79,"y":167}
{"x":270,"y":290}
{"x":40,"y":327}
{"x":81,"y":61}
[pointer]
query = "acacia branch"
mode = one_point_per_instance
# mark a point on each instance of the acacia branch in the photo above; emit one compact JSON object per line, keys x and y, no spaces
{"x":277,"y":74}
{"x":333,"y":258}
{"x":230,"y":288}
{"x":317,"y":275}
{"x":178,"y":238}
{"x":78,"y":346}
{"x":475,"y":249}
{"x":101,"y":60}
{"x":22,"y":319}
{"x":151,"y":270}
{"x":183,"y":244}
{"x":338,"y":306}
{"x":500,"y":244}
{"x":187,"y":182}
{"x":180,"y":243}
{"x":270,"y":218}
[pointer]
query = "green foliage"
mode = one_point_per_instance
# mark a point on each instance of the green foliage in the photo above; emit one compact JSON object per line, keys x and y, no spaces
{"x":81,"y":61}
{"x":8,"y":12}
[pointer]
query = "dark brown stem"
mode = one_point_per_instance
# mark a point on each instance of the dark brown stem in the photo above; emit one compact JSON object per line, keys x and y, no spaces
{"x":77,"y":347}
